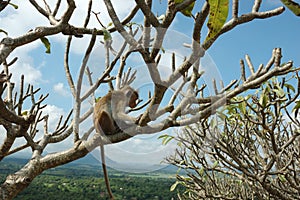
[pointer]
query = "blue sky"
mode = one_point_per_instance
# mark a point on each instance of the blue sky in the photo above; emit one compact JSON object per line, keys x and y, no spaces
{"x":257,"y":38}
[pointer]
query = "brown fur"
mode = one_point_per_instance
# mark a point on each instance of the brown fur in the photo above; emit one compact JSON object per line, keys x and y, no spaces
{"x":110,"y":110}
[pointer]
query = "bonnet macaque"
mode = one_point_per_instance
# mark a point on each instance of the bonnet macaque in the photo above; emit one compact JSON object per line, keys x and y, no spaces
{"x":110,"y":117}
{"x":110,"y":111}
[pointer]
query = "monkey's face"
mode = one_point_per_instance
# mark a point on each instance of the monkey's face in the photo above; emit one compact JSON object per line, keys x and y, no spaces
{"x":133,"y":100}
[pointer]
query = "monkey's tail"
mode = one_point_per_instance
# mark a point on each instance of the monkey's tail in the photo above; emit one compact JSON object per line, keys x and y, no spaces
{"x":111,"y":196}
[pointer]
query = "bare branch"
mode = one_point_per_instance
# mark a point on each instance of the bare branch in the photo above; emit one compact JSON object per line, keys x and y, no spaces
{"x":146,"y":9}
{"x":78,"y":98}
{"x":87,"y":19}
{"x":119,"y":27}
{"x":56,"y":7}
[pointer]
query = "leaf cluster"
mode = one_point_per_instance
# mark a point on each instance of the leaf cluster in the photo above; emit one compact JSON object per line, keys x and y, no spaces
{"x":250,"y":149}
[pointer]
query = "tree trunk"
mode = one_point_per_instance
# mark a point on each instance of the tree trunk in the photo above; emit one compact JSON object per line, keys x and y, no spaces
{"x":20,"y":180}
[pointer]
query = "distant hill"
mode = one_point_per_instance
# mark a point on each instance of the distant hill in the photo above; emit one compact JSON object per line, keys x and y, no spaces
{"x":83,"y":179}
{"x":14,"y":160}
{"x":89,"y":162}
{"x":129,"y":167}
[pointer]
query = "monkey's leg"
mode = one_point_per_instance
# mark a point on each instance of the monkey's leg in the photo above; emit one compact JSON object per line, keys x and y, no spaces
{"x":106,"y":123}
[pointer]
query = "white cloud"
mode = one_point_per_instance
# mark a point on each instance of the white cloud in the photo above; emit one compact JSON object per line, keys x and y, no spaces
{"x":18,"y":22}
{"x":25,"y":66}
{"x":11,"y":18}
{"x":54,"y":113}
{"x":80,"y":44}
{"x":138,"y":156}
{"x":31,"y":74}
{"x":140,"y":149}
{"x":60,"y":89}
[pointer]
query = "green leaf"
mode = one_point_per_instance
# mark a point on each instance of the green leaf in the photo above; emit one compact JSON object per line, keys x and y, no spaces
{"x":201,"y":171}
{"x":231,"y":109}
{"x":264,"y":97}
{"x":3,"y":31}
{"x":47,"y":44}
{"x":24,"y":113}
{"x":216,"y":163}
{"x":173,"y":187}
{"x":293,"y":6}
{"x":188,"y":10}
{"x":166,"y":138}
{"x":279,"y":92}
{"x":296,"y":108}
{"x":282,"y":178}
{"x":162,"y":136}
{"x":242,"y":107}
{"x":217,"y":16}
{"x":109,"y":24}
{"x":263,"y":100}
{"x":106,"y":34}
{"x":14,"y":5}
{"x":97,"y":99}
{"x":289,"y":86}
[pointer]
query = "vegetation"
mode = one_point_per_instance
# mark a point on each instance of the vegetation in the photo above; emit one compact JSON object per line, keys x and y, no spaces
{"x":84,"y":182}
{"x":246,"y":127}
{"x":250,"y":148}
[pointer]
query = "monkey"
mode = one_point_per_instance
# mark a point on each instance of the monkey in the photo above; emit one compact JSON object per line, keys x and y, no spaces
{"x":110,"y":116}
{"x":110,"y":110}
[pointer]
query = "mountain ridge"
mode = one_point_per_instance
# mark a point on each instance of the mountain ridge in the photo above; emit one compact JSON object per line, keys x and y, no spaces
{"x":89,"y":162}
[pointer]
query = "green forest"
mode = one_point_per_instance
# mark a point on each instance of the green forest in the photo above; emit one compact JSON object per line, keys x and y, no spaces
{"x":211,"y":88}
{"x":79,"y":182}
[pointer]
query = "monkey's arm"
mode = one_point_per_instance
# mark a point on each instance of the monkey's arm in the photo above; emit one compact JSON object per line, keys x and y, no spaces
{"x":124,"y":121}
{"x":119,"y":103}
{"x":124,"y":117}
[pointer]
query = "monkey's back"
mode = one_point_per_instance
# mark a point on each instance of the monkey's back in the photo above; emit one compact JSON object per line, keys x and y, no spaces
{"x":102,"y":115}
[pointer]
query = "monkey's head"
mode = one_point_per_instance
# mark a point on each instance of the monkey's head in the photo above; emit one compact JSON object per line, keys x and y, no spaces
{"x":133,"y":97}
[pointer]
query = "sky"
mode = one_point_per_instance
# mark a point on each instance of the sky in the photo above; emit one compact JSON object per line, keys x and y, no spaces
{"x":257,"y":39}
